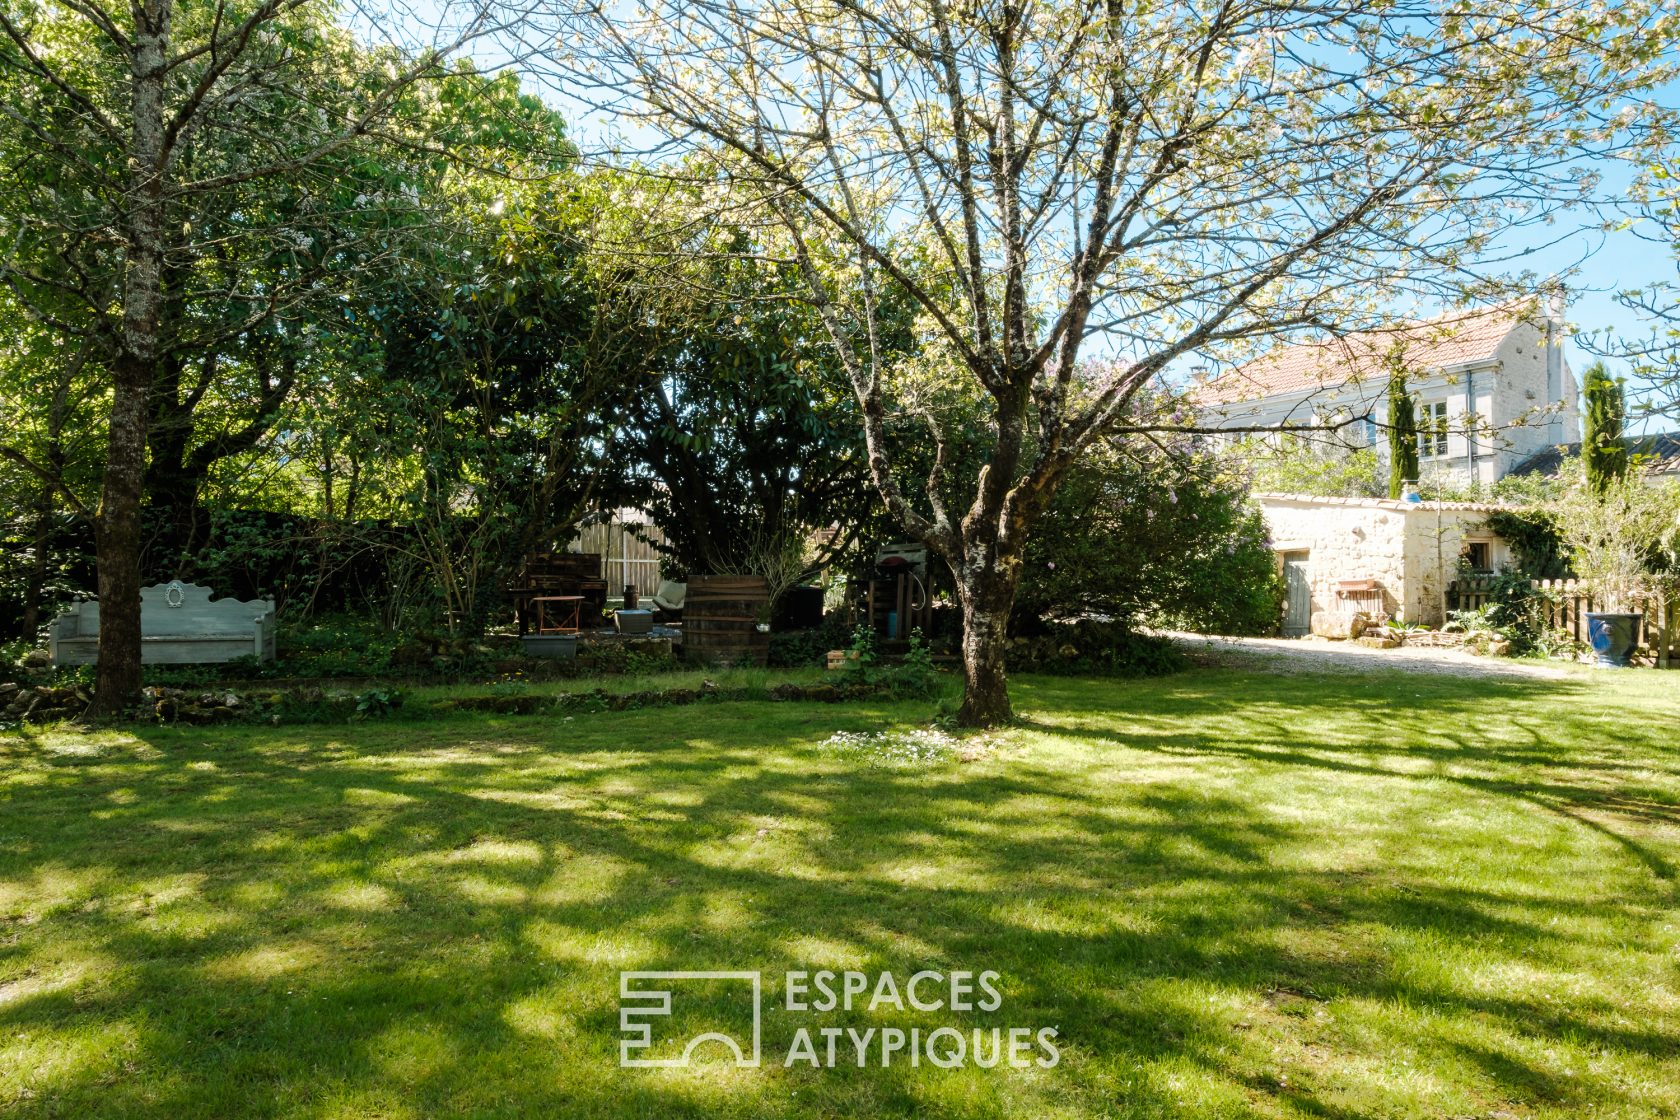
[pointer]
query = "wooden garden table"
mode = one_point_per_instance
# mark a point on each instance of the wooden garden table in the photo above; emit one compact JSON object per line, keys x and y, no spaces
{"x":569,"y":618}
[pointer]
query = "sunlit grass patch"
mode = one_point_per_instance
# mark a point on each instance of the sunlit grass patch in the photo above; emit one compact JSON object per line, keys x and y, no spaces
{"x":1233,"y":894}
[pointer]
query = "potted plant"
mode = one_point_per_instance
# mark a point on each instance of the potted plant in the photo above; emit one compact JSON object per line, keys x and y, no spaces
{"x":1618,"y":535}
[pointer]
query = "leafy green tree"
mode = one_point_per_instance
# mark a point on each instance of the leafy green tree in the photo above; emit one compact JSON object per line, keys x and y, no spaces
{"x":50,"y":399}
{"x":1623,"y":540}
{"x":504,"y":374}
{"x":740,"y":431}
{"x":1296,"y":465}
{"x":1603,"y":453}
{"x":1402,"y":436}
{"x":1151,"y":183}
{"x":142,"y":142}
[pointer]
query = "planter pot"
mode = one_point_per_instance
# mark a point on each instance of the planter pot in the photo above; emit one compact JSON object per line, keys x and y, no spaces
{"x":720,"y":621}
{"x":559,"y":647}
{"x":1612,"y":636}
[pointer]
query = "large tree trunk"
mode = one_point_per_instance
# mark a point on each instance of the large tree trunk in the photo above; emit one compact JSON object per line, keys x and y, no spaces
{"x":40,"y":560}
{"x":994,"y":538}
{"x":118,"y":536}
{"x":985,"y":616}
{"x":986,"y":584}
{"x":118,"y":525}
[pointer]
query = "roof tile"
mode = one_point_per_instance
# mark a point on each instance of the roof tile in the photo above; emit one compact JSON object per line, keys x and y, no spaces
{"x":1452,"y":339}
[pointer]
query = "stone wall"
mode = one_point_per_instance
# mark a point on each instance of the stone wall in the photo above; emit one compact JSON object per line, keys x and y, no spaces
{"x":1344,"y":539}
{"x":1436,"y":533}
{"x":1410,"y":549}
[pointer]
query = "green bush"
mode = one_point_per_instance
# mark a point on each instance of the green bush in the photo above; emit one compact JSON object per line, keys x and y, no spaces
{"x":803,"y":649}
{"x":1151,"y":541}
{"x":619,"y":658}
{"x":1517,"y":611}
{"x":378,"y":703}
{"x":1088,"y":647}
{"x":1536,"y":544}
{"x":914,"y":676}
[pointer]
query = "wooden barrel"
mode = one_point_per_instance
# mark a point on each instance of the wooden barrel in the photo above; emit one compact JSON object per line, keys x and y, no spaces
{"x":720,"y":621}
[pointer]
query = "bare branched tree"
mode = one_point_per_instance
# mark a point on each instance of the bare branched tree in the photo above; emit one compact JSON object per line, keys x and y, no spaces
{"x":1052,"y":180}
{"x":1653,"y":357}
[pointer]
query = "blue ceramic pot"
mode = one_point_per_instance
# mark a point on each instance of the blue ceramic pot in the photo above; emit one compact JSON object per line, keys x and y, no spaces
{"x":1612,"y":636}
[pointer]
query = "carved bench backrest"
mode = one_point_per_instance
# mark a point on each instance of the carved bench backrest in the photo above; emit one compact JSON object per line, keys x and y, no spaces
{"x":182,"y":608}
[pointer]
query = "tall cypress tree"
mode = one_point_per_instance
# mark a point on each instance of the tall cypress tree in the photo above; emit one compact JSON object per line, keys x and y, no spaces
{"x":1402,"y":436}
{"x":1603,"y":453}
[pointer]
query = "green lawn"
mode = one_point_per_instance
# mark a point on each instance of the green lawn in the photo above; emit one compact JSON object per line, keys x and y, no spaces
{"x":1231,"y":893}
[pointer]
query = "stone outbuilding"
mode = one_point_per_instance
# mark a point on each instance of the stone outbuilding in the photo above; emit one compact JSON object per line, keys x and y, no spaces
{"x":1385,"y":559}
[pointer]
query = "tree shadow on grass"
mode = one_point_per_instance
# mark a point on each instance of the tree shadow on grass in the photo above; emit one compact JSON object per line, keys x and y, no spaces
{"x":1606,"y":788}
{"x":435,"y":926}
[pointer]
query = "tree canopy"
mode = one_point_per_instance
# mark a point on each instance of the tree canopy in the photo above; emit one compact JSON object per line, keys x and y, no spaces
{"x":1055,"y":182}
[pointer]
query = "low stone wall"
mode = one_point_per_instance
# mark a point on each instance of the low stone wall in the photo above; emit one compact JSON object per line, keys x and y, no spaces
{"x":309,"y":704}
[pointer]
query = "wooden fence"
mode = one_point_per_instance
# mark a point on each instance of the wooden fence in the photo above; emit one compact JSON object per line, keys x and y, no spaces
{"x":626,"y":556}
{"x":1565,"y":604}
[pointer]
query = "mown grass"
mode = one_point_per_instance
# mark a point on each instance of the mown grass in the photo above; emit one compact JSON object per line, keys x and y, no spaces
{"x":729,"y":680}
{"x":1233,"y":894}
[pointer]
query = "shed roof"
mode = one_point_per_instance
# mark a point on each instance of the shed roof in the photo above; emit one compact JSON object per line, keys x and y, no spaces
{"x":1658,"y":454}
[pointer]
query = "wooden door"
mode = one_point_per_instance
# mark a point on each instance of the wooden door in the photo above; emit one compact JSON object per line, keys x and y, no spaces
{"x":1297,"y":615}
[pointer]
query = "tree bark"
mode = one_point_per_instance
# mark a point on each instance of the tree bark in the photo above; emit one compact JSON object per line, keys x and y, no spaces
{"x":117,"y":681}
{"x":995,"y":532}
{"x":988,"y":596}
{"x":118,"y":540}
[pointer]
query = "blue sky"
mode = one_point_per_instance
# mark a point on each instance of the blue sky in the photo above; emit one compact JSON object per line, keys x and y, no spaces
{"x":1604,"y":264}
{"x":1601,"y":263}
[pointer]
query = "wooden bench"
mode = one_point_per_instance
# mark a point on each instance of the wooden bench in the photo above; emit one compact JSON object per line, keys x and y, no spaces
{"x":179,"y":625}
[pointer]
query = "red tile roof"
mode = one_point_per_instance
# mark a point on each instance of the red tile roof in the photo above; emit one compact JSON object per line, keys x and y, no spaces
{"x":1452,"y":339}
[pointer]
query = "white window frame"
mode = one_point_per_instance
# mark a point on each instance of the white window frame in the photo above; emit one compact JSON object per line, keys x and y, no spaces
{"x":1432,"y":430}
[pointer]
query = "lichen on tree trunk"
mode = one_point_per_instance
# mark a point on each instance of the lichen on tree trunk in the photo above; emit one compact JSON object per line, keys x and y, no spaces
{"x":985,"y":701}
{"x":987,"y":579}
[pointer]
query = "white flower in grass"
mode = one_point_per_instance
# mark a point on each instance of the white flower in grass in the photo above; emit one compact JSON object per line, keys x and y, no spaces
{"x":917,"y":746}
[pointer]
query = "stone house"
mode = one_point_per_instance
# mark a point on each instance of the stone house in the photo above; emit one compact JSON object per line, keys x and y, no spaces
{"x":1491,"y":385}
{"x":1340,"y":556}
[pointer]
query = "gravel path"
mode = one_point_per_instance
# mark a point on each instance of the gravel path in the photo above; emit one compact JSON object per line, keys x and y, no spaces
{"x":1322,"y":656}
